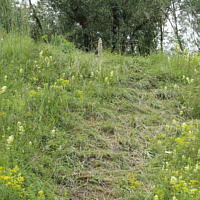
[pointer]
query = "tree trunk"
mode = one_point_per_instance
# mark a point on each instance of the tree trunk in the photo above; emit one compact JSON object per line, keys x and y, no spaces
{"x":35,"y":16}
{"x":175,"y":28}
{"x":125,"y":19}
{"x":86,"y":41}
{"x":115,"y":26}
{"x":161,"y":34}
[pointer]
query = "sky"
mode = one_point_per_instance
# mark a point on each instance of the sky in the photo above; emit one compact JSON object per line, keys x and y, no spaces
{"x":34,"y":1}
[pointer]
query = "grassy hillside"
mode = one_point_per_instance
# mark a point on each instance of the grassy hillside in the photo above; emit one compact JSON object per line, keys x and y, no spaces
{"x":75,"y":126}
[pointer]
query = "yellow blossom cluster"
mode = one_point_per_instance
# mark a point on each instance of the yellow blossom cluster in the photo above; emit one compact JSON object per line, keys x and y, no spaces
{"x":181,"y":171}
{"x":133,"y":181}
{"x":3,"y":90}
{"x":63,"y":82}
{"x":34,"y":79}
{"x":80,"y":94}
{"x":2,"y":114}
{"x":53,"y":132}
{"x":10,"y":141}
{"x":11,"y":179}
{"x":188,"y":80}
{"x":20,"y":128}
{"x":33,"y":93}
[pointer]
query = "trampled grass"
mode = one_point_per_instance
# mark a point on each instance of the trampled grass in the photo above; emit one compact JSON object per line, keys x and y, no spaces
{"x":74,"y":126}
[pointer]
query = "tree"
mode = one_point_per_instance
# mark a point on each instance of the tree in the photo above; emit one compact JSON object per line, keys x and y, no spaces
{"x":122,"y":24}
{"x":192,"y":8}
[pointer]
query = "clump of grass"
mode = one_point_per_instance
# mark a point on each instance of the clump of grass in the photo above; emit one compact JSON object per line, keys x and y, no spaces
{"x":108,"y":128}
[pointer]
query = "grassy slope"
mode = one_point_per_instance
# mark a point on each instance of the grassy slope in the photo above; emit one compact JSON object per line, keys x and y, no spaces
{"x":103,"y":131}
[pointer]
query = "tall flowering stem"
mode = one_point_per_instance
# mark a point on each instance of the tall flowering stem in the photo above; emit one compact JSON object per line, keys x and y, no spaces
{"x":100,"y":49}
{"x":100,"y":54}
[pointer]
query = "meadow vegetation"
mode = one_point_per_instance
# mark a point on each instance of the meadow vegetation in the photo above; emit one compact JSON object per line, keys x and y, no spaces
{"x":77,"y":125}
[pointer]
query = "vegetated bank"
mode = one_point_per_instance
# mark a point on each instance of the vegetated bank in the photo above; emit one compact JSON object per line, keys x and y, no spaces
{"x":76,"y":126}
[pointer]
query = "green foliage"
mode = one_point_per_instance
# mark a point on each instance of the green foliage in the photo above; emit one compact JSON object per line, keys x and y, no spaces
{"x":121,"y":25}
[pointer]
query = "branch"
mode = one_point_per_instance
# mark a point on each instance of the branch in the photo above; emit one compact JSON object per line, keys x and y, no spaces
{"x":35,"y":16}
{"x":139,"y":27}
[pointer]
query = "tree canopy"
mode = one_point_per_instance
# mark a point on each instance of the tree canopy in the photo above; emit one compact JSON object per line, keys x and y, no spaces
{"x":126,"y":26}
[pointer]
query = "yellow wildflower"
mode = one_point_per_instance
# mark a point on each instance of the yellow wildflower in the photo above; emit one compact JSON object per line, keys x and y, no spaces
{"x":176,"y":86}
{"x":3,"y":89}
{"x":15,"y":170}
{"x":159,"y":142}
{"x":32,"y":93}
{"x":156,"y":197}
{"x":9,"y":141}
{"x":173,"y":180}
{"x":111,"y":73}
{"x":187,"y":168}
{"x":18,"y":123}
{"x":53,"y":132}
{"x":41,"y":192}
{"x":41,"y":53}
{"x":92,"y":74}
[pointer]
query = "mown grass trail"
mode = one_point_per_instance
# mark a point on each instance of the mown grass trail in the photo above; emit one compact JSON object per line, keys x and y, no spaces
{"x":77,"y":127}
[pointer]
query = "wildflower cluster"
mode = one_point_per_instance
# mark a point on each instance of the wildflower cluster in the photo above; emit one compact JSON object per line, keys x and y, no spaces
{"x":20,"y":128}
{"x":21,"y":70}
{"x":187,"y":79}
{"x":44,"y":62}
{"x":2,"y":114}
{"x":80,"y":94}
{"x":63,"y":82}
{"x":159,"y":195}
{"x":33,"y":93}
{"x":109,"y":79}
{"x":53,"y":132}
{"x":3,"y":90}
{"x":49,"y":61}
{"x":92,"y":74}
{"x":10,"y":141}
{"x":12,"y":179}
{"x":133,"y":181}
{"x":182,"y":164}
{"x":45,"y":38}
{"x":176,"y":86}
{"x":34,"y":79}
{"x":195,"y":59}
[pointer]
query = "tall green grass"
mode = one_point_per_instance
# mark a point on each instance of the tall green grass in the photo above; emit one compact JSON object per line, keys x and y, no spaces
{"x":75,"y":127}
